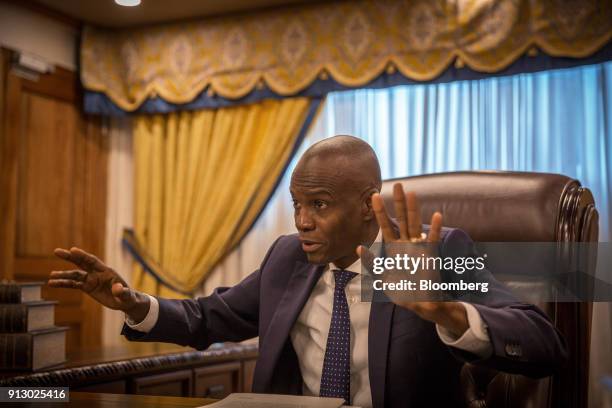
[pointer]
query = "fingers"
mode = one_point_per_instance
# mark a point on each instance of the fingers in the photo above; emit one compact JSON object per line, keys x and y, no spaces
{"x":384,"y":222}
{"x":436,"y":228}
{"x":62,"y":253}
{"x":65,"y":283}
{"x":67,"y":255}
{"x":367,"y":258}
{"x":84,"y":260}
{"x":76,"y":275}
{"x":87,"y":259}
{"x":67,"y":279}
{"x":414,"y":215}
{"x":399,"y":202}
{"x":407,"y":212}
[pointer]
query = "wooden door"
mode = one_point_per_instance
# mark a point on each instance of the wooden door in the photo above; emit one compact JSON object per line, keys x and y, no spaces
{"x":52,"y":190}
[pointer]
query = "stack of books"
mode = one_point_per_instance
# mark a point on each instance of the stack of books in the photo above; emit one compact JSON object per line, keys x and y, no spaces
{"x":29,"y":339}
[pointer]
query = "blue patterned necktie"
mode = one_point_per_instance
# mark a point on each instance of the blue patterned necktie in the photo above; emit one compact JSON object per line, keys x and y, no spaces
{"x":336,"y":376}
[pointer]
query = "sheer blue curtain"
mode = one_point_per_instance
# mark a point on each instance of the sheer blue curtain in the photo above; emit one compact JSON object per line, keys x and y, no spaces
{"x":553,"y":121}
{"x":557,"y":121}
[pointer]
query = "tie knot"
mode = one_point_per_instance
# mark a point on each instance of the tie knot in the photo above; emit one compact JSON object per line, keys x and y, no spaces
{"x":343,"y":277}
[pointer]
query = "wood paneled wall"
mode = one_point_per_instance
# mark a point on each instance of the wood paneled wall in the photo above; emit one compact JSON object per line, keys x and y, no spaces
{"x":52,"y":188}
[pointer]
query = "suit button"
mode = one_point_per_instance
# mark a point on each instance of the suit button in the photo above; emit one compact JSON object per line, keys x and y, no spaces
{"x":518,"y":350}
{"x":513,"y":350}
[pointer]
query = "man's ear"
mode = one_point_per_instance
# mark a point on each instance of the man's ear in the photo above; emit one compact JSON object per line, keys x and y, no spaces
{"x":366,"y":210}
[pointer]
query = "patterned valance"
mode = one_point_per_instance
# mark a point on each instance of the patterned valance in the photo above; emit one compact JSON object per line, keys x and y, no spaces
{"x":350,"y":42}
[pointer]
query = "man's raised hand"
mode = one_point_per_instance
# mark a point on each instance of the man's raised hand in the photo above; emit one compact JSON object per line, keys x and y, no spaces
{"x":99,"y":281}
{"x":414,"y":242}
{"x":405,"y":239}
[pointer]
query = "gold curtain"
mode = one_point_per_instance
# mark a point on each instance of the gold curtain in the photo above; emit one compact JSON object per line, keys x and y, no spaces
{"x":353,"y":42}
{"x":201,"y":178}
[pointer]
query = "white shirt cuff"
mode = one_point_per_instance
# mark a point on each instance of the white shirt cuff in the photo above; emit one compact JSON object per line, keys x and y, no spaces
{"x":475,"y":339}
{"x":150,"y":319}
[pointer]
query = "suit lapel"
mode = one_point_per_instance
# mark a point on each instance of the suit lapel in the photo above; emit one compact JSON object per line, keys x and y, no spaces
{"x":379,"y":330}
{"x":297,"y":292}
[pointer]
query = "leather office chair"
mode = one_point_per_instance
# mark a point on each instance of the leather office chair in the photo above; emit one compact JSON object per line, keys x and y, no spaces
{"x":518,"y":207}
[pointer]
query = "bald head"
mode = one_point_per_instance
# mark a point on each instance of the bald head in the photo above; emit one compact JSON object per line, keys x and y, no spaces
{"x":331,"y":187}
{"x":349,"y":158}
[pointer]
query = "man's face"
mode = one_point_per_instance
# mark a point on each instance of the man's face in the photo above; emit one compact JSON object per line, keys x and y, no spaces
{"x":327,"y":213}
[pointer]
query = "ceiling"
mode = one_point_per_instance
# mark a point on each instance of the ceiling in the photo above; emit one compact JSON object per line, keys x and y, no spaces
{"x":108,"y":14}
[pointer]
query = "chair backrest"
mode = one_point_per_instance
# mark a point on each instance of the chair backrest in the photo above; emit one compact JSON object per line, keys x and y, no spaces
{"x":494,"y":206}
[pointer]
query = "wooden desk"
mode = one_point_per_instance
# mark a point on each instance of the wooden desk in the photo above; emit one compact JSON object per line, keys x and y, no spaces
{"x":93,"y":400}
{"x":149,"y":369}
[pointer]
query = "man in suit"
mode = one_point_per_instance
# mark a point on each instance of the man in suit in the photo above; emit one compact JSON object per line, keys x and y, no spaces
{"x":315,"y":335}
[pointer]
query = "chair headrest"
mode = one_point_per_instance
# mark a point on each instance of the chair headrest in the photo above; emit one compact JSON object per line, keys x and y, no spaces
{"x":492,"y":205}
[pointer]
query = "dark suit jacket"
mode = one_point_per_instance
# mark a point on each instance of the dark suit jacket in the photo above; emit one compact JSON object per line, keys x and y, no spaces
{"x":409,"y":365}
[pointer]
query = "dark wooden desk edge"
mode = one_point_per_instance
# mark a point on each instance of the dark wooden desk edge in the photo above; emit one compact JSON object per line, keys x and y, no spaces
{"x":107,"y":371}
{"x":136,"y":400}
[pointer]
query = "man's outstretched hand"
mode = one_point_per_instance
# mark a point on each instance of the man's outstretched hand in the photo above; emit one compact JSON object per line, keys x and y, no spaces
{"x":451,"y":315}
{"x":100,"y":282}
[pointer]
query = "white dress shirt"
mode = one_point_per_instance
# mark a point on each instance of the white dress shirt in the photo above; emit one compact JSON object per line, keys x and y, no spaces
{"x":310,"y":331}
